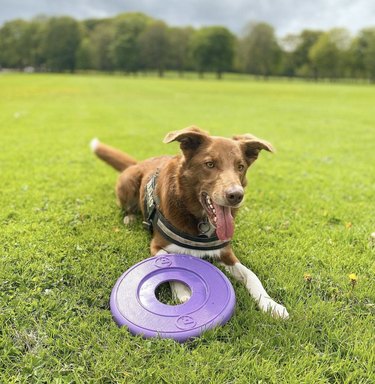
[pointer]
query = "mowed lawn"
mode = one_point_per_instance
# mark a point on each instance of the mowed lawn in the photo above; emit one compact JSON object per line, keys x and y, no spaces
{"x":305,"y":225}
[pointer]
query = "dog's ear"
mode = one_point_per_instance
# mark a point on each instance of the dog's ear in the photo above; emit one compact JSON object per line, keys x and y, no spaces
{"x":252,"y":145}
{"x":190,"y":138}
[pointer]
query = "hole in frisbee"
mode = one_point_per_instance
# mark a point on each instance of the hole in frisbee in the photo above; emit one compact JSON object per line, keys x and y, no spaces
{"x":163,"y":293}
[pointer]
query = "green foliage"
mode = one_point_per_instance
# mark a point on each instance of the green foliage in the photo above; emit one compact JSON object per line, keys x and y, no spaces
{"x":289,"y":60}
{"x":133,"y":42}
{"x":304,"y":226}
{"x":328,"y":55}
{"x":179,"y":55}
{"x":101,"y":39}
{"x":84,"y":55}
{"x":213,"y":50}
{"x":364,"y":52}
{"x":61,"y":42}
{"x":369,"y":57}
{"x":303,"y":66}
{"x":259,"y":50}
{"x":21,"y":43}
{"x":13,"y":43}
{"x":125,"y":47}
{"x":155,"y":46}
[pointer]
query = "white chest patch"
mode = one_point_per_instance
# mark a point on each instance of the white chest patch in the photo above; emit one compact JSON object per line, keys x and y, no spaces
{"x":173,"y":248}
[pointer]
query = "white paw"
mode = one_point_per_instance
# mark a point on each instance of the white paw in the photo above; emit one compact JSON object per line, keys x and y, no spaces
{"x":183,"y":299}
{"x":129,"y":219}
{"x":276,"y":310}
{"x":180,"y":291}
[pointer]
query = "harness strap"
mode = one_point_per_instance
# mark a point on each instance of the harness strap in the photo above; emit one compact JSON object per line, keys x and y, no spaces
{"x":150,"y":202}
{"x":155,"y":219}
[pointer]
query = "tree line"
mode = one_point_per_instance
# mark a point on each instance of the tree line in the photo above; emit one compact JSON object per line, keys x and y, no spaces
{"x":134,"y":42}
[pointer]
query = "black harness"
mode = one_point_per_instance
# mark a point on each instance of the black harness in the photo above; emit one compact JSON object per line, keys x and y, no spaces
{"x":154,"y":219}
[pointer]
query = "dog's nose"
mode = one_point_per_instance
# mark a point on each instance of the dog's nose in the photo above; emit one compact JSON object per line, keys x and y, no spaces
{"x":234,"y":195}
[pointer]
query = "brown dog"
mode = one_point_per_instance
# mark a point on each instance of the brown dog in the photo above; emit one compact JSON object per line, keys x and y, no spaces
{"x":189,"y":201}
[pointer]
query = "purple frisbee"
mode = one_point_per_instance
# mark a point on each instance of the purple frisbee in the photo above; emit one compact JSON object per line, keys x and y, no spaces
{"x":133,"y":302}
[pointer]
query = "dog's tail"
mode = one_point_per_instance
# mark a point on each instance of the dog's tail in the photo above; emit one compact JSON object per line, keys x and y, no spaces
{"x":112,"y":156}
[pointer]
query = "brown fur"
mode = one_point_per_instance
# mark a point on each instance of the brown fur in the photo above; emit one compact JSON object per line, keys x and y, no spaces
{"x":119,"y":160}
{"x":183,"y":178}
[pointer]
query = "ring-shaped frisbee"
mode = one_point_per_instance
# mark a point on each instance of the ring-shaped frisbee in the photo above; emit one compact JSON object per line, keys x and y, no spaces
{"x":134,"y":304}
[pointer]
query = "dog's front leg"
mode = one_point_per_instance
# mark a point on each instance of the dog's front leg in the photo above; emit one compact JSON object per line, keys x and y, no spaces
{"x":180,"y":291}
{"x":253,"y":285}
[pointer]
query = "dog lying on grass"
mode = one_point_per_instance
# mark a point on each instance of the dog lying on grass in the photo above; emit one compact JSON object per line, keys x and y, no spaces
{"x":189,"y":201}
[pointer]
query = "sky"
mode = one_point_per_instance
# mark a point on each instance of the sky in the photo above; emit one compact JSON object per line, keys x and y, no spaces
{"x":287,"y":16}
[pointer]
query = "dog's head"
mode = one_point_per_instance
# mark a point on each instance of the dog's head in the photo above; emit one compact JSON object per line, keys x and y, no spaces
{"x":214,"y":170}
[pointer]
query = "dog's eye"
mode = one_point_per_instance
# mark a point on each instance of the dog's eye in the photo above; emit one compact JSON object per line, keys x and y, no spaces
{"x":210,"y":164}
{"x":241,"y":167}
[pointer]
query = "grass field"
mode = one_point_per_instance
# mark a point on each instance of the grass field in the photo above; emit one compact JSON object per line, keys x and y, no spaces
{"x":309,"y":209}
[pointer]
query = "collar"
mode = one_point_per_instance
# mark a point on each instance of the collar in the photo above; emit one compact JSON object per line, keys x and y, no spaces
{"x":154,"y":219}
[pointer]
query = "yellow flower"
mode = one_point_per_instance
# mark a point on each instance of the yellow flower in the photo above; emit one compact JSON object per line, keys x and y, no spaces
{"x":307,"y":277}
{"x":353,"y":277}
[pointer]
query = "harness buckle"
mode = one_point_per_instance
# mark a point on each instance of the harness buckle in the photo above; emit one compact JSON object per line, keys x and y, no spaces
{"x":147,"y":225}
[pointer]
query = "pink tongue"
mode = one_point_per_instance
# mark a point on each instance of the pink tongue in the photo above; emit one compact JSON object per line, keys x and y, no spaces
{"x":224,"y":223}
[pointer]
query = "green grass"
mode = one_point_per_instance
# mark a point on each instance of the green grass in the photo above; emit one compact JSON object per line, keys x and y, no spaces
{"x":309,"y":209}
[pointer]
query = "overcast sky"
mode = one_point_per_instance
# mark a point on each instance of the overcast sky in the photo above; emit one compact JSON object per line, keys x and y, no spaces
{"x":287,"y":16}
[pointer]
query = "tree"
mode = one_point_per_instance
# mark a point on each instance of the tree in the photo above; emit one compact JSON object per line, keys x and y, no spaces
{"x":84,"y":55}
{"x":362,"y":55}
{"x":61,"y":43}
{"x":133,"y":41}
{"x":213,"y":50}
{"x":179,"y":42}
{"x":289,"y":45}
{"x":324,"y":57}
{"x":12,"y":44}
{"x":301,"y":58}
{"x":259,"y":50}
{"x":368,"y":35}
{"x":33,"y":39}
{"x":101,"y":39}
{"x":154,"y":46}
{"x":125,"y":48}
{"x":329,"y":54}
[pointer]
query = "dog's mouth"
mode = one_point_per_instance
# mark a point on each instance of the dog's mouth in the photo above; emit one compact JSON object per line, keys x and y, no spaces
{"x":220,"y":217}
